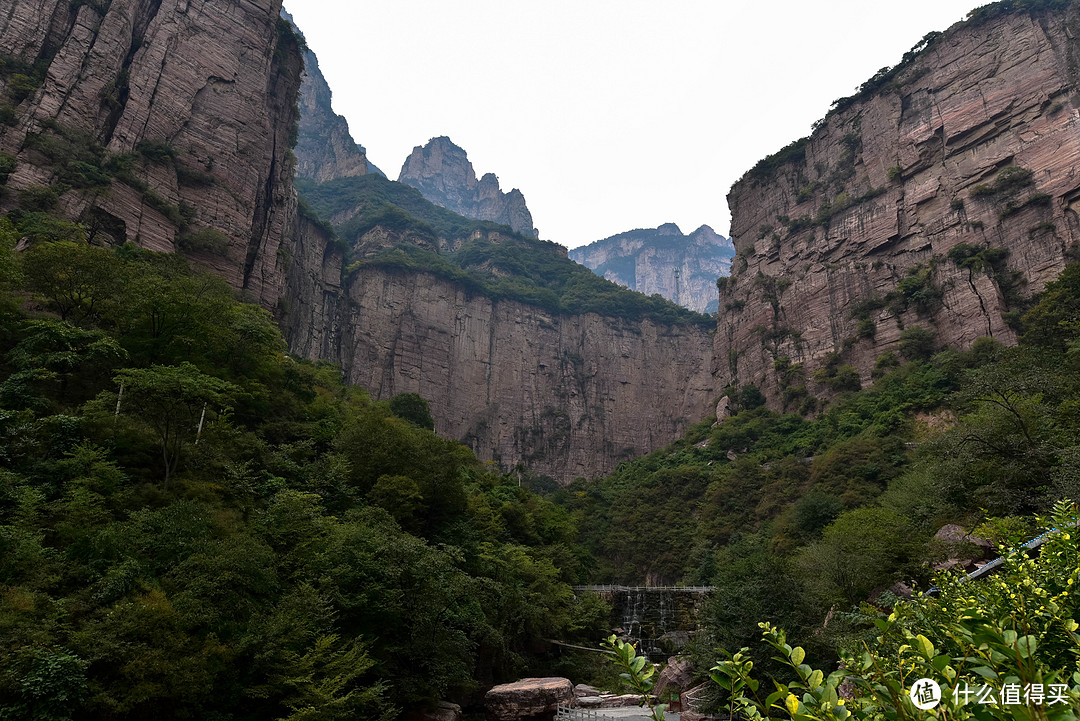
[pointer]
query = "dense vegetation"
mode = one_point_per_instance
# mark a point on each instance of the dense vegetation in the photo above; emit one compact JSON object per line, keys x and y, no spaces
{"x":790,"y":517}
{"x":491,"y":260}
{"x":1002,"y":648}
{"x":195,"y":525}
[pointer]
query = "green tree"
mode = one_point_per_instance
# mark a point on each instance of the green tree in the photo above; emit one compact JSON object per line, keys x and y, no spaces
{"x":413,"y":408}
{"x":174,"y":401}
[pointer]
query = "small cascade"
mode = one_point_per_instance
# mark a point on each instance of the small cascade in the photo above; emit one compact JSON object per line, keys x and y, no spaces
{"x":656,"y":620}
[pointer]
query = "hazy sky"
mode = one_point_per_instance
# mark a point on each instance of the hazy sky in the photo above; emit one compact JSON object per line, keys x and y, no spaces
{"x":607,"y":115}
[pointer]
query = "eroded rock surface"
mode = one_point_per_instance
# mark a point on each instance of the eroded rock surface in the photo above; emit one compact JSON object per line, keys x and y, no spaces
{"x":528,"y":698}
{"x":845,"y":242}
{"x":442,"y":172}
{"x":325,"y":148}
{"x":194,"y":97}
{"x":567,"y":396}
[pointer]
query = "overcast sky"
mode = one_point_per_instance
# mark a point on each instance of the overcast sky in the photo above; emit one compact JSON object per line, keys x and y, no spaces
{"x":608,"y":115}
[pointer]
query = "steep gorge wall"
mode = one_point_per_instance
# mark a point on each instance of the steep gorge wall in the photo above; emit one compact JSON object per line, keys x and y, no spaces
{"x":210,"y":85}
{"x":844,"y":241}
{"x":567,"y":396}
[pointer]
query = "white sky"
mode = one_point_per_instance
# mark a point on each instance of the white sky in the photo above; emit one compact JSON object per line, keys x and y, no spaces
{"x":608,"y":115}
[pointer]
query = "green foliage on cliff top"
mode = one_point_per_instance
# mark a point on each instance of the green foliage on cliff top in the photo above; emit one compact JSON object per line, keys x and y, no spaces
{"x":299,"y":551}
{"x":372,"y":200}
{"x":498,"y":264}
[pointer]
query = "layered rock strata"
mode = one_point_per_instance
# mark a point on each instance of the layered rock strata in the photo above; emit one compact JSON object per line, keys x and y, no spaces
{"x":567,"y":396}
{"x":942,"y":199}
{"x":179,"y":112}
{"x":681,"y":268}
{"x":325,"y":148}
{"x":442,"y":172}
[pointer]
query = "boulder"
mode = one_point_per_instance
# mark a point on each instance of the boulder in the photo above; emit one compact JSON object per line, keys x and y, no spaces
{"x":676,"y":676}
{"x":528,"y":698}
{"x":445,"y":711}
{"x":582,"y":690}
{"x":608,"y":700}
{"x":696,"y":716}
{"x":723,"y":409}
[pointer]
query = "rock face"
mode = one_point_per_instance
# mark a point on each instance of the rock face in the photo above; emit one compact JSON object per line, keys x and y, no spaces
{"x":567,"y":396}
{"x":676,"y":676}
{"x":324,"y":149}
{"x":681,"y":268}
{"x":891,"y":213}
{"x":528,"y":698}
{"x":193,"y":101}
{"x":442,"y":172}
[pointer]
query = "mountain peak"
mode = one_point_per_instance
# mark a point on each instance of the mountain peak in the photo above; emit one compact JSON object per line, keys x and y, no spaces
{"x":441,"y":171}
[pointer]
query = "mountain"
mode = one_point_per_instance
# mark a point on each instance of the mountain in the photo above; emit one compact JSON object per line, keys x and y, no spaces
{"x":935,"y":201}
{"x":324,"y":149}
{"x":442,"y":172}
{"x":681,"y":268}
{"x":526,"y":356}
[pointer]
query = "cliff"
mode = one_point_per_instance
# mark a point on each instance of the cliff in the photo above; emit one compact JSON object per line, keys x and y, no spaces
{"x":442,"y":172}
{"x":325,"y":148}
{"x":942,"y":196}
{"x":166,"y":123}
{"x":526,"y":356}
{"x":681,"y":268}
{"x":565,"y":395}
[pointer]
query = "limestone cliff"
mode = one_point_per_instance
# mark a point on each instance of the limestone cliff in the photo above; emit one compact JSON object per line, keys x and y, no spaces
{"x":942,"y":195}
{"x":565,"y":395}
{"x":681,"y":268}
{"x":442,"y":172}
{"x":163,"y":122}
{"x":324,"y":149}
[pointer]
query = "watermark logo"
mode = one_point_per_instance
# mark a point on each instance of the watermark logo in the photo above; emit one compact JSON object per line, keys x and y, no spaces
{"x":925,"y":694}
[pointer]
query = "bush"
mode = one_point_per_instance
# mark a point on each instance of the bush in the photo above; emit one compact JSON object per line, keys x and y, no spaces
{"x":916,"y":343}
{"x":7,"y":166}
{"x":38,"y":198}
{"x":894,"y":172}
{"x":21,"y":86}
{"x":205,"y":240}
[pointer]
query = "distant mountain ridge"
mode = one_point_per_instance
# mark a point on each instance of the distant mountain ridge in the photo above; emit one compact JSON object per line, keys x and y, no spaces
{"x":442,"y":172}
{"x":646,"y":260}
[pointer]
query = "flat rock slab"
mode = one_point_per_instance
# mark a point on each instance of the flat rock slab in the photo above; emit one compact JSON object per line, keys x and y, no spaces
{"x":609,"y":701}
{"x":528,"y":698}
{"x":582,"y":690}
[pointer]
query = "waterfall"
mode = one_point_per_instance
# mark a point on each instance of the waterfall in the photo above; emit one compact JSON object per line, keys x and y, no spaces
{"x":651,"y":618}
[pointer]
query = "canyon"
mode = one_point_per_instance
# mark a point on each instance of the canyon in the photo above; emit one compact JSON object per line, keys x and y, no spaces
{"x":942,"y":197}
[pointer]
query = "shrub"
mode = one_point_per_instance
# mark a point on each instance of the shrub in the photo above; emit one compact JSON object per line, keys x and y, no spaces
{"x":38,"y":198}
{"x":206,"y":240}
{"x":7,"y":166}
{"x":156,"y":151}
{"x":916,"y":343}
{"x":21,"y":86}
{"x":894,"y":172}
